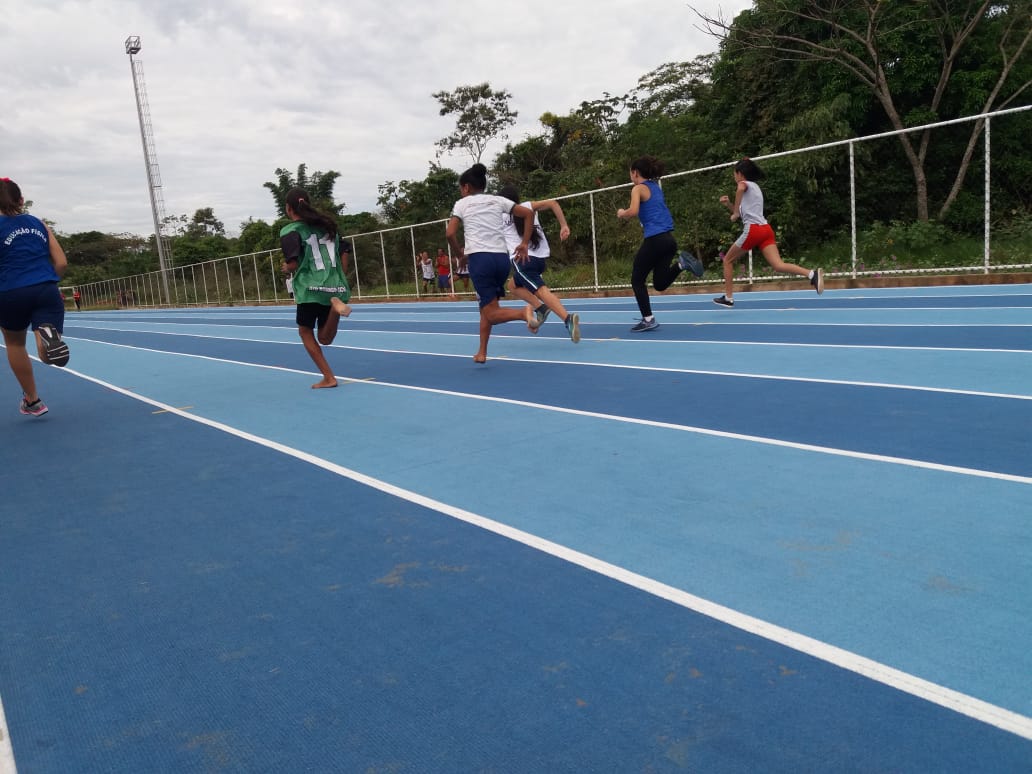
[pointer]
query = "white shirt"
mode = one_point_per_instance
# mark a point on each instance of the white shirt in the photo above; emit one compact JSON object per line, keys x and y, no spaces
{"x":481,"y":216}
{"x":514,"y":237}
{"x":751,"y":208}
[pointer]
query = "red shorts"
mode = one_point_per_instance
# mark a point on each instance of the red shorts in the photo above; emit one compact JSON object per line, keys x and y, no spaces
{"x":756,"y":236}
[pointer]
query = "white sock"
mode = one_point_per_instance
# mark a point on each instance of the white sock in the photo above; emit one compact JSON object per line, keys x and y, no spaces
{"x":810,"y":275}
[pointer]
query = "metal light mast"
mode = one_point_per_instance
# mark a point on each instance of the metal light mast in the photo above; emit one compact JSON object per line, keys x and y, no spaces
{"x":150,"y":160}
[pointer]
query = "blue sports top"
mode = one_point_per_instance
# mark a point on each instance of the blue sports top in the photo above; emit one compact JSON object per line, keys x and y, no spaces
{"x":24,"y":252}
{"x":654,"y":216}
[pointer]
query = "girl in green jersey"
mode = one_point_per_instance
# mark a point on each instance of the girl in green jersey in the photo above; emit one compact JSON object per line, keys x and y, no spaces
{"x":312,"y":250}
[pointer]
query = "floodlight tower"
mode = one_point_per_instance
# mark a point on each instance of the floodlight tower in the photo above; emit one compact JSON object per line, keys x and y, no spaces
{"x":150,"y":160}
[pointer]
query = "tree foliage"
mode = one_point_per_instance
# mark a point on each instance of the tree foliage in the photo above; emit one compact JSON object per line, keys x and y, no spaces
{"x":318,"y":184}
{"x":481,"y":115}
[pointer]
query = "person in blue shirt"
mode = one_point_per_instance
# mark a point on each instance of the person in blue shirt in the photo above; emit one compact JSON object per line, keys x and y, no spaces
{"x":31,"y":264}
{"x":658,"y":253}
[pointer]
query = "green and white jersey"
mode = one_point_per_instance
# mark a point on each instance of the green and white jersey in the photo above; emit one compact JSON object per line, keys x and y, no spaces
{"x":319,"y":276}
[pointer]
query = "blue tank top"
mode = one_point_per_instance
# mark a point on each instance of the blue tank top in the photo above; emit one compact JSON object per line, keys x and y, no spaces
{"x":24,"y":252}
{"x":654,"y":216}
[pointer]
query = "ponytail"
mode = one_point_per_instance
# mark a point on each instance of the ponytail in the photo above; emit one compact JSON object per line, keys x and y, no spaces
{"x":298,"y":200}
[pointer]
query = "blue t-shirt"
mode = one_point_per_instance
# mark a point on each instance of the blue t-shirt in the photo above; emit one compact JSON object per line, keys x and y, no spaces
{"x":24,"y":252}
{"x":654,"y":216}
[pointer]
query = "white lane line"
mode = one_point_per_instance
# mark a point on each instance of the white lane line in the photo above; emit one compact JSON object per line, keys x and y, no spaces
{"x":904,"y":461}
{"x":964,"y":704}
{"x":666,"y":369}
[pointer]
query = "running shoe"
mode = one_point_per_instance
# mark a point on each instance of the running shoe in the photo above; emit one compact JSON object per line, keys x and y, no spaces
{"x":541,"y":313}
{"x":645,"y":325}
{"x":573,"y":326}
{"x":818,"y":280}
{"x":724,"y":301}
{"x":689,"y":262}
{"x":56,"y":349}
{"x":35,"y":409}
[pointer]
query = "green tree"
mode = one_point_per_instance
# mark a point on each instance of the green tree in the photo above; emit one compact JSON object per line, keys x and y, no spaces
{"x":910,"y":56}
{"x":481,"y":114}
{"x":204,"y":223}
{"x":257,"y":235}
{"x":419,"y":201}
{"x":318,"y":184}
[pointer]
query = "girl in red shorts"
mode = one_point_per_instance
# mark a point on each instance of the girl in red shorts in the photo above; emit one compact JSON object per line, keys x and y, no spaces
{"x":757,"y":233}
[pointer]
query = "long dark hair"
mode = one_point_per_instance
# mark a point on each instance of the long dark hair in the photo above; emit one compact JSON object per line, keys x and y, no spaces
{"x":10,"y":197}
{"x":648,"y":167}
{"x":299,"y":202}
{"x":750,"y":171}
{"x":510,"y":192}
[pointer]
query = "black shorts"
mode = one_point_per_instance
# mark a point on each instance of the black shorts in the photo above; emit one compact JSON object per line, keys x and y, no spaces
{"x":312,"y":315}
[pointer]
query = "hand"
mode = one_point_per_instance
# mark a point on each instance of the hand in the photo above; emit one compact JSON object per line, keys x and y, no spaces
{"x":725,"y":200}
{"x":621,"y":212}
{"x":520,"y":253}
{"x":564,"y":233}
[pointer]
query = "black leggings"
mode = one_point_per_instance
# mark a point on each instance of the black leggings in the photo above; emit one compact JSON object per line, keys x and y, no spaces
{"x":654,"y":256}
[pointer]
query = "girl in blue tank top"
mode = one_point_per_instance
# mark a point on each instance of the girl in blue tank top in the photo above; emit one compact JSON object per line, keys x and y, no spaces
{"x":658,"y":254}
{"x":31,"y":264}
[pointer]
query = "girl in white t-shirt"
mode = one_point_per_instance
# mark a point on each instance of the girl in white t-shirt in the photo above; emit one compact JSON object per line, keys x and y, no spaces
{"x":480,"y":215}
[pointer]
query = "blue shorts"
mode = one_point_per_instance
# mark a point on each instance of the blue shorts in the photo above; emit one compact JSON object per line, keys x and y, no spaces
{"x":443,"y":281}
{"x":528,"y":275}
{"x":32,"y":305}
{"x":489,"y":272}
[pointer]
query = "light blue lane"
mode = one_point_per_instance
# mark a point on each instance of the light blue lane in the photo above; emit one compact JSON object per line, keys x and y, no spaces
{"x":918,"y":569}
{"x":1007,"y":373}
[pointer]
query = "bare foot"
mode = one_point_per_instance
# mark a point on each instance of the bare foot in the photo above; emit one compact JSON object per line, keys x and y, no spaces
{"x":531,"y":318}
{"x":479,"y":358}
{"x":325,"y":383}
{"x":340,"y":308}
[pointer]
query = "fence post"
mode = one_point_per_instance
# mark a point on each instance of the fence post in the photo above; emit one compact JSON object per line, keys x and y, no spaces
{"x":594,"y":238}
{"x":852,"y":207}
{"x":985,"y":258}
{"x":383,"y":257}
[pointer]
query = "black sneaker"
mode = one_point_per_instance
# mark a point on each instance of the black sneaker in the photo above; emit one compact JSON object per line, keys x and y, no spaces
{"x":645,"y":325}
{"x":723,"y":301}
{"x":55,"y":348}
{"x":817,"y":280}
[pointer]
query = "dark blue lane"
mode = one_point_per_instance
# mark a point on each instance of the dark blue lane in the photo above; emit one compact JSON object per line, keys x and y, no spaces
{"x":1013,"y":337}
{"x":969,"y":431}
{"x":177,"y":600}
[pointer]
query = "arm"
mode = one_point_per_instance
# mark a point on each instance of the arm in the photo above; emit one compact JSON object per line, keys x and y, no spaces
{"x":519,"y":211}
{"x":291,"y":247}
{"x":57,"y":255}
{"x":636,"y":200}
{"x":452,"y":233}
{"x":736,"y":208}
{"x":553,"y":205}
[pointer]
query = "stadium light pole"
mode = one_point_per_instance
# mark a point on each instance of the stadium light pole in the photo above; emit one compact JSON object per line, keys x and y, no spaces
{"x":150,"y":160}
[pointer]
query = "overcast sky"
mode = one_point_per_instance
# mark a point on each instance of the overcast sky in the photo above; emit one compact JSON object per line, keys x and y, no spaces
{"x":237,"y":88}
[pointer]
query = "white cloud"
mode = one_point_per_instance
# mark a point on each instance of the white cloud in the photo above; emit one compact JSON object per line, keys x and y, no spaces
{"x":237,"y":89}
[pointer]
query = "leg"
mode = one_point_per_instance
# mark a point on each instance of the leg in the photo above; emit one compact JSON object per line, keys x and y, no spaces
{"x":21,"y":366}
{"x":666,"y":272}
{"x":639,"y":277}
{"x":328,"y":330}
{"x":733,"y":254}
{"x":485,"y":334}
{"x":773,"y":257}
{"x":315,"y":352}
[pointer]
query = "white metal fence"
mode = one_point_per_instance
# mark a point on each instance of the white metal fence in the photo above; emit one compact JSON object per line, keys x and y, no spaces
{"x":380,"y":255}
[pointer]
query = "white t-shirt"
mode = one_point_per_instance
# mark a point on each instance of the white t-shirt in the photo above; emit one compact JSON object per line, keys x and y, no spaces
{"x":481,"y":216}
{"x":514,"y":237}
{"x":751,"y":208}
